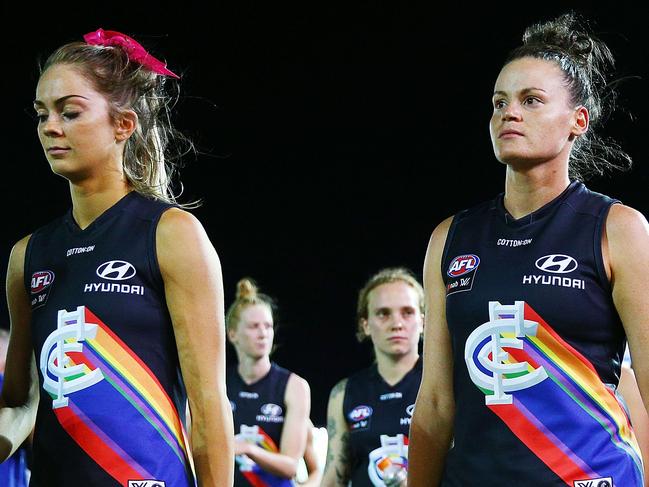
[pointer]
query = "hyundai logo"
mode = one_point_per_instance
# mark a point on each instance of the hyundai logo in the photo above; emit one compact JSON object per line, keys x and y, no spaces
{"x":556,"y":263}
{"x":271,"y":409}
{"x":116,"y":270}
{"x":410,"y":409}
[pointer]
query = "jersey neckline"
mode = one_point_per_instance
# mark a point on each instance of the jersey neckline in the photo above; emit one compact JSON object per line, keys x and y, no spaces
{"x":375,"y":366}
{"x":74,"y":227}
{"x":538,"y":214}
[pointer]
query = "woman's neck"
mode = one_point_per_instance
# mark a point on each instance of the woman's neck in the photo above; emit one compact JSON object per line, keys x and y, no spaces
{"x":251,"y":369}
{"x":394,"y":367}
{"x":89,"y":201}
{"x":528,"y":190}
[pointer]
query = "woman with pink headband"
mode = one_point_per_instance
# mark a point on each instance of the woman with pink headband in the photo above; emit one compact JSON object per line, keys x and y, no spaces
{"x":110,"y":333}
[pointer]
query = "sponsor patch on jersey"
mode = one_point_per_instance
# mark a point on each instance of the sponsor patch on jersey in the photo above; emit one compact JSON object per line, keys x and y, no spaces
{"x":146,"y":483}
{"x":270,"y":413}
{"x":360,"y":417}
{"x":508,"y":242}
{"x":114,"y":270}
{"x":40,"y":286}
{"x":248,"y":395}
{"x":408,"y":419}
{"x":461,"y":272}
{"x":79,"y":250}
{"x":390,"y":395}
{"x":599,"y":482}
{"x":554,"y":268}
{"x":556,"y":264}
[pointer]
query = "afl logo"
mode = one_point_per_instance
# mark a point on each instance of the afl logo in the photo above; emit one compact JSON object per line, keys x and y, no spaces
{"x":116,"y":270}
{"x":359,"y":413}
{"x":410,"y":409}
{"x":41,"y":280}
{"x":271,"y":409}
{"x":463,"y":264}
{"x":556,"y":263}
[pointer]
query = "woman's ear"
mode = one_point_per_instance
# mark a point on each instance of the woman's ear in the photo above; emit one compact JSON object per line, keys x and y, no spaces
{"x":125,"y":125}
{"x":581,"y":121}
{"x":364,"y":326}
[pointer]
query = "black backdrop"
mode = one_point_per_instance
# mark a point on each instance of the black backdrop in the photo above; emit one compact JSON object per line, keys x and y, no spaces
{"x":333,"y":136}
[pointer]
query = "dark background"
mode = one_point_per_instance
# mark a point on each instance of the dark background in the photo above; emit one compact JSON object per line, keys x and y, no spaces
{"x":334,"y":137}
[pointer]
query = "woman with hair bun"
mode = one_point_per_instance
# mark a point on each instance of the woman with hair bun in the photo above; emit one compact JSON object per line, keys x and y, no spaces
{"x":271,"y":405}
{"x":532,"y":296}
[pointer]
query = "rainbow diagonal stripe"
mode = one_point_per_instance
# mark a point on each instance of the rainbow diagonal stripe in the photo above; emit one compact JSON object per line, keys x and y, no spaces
{"x":125,"y":422}
{"x":256,"y":476}
{"x":570,"y":420}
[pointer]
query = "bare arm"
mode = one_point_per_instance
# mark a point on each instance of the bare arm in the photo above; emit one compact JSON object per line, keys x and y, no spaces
{"x":432,"y":421}
{"x":626,"y":251}
{"x":338,"y":467}
{"x":628,"y":388}
{"x":191,"y":272}
{"x":293,"y":441}
{"x":19,"y":400}
{"x":311,"y":462}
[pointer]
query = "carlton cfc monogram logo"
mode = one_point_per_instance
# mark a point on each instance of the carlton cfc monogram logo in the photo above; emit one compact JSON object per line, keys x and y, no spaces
{"x":503,"y":319}
{"x":60,"y":379}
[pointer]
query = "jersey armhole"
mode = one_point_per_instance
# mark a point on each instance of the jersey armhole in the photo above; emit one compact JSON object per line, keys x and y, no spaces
{"x":447,"y":245}
{"x":154,"y":265}
{"x":27,"y":278}
{"x":597,"y":246}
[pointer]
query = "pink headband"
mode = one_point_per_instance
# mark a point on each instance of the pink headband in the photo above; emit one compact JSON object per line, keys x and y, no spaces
{"x":133,"y":49}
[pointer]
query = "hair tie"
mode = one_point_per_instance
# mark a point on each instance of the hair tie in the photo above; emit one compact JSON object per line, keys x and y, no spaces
{"x":134,"y":51}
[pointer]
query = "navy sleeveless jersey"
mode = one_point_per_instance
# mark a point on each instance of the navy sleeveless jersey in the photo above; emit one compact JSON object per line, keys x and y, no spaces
{"x":112,"y":399}
{"x":537,"y":345}
{"x":258,"y":411}
{"x":378,"y":420}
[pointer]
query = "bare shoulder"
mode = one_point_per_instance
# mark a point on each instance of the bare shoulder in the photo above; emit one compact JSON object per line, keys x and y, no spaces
{"x":17,"y":255}
{"x":176,"y":223}
{"x":338,"y":391}
{"x":436,"y":248}
{"x":297,"y":385}
{"x":626,"y":222}
{"x":181,"y":234}
{"x":440,"y":232}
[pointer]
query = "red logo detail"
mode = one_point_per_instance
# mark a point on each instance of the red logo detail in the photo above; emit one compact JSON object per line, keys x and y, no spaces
{"x":41,"y":280}
{"x":463,"y":264}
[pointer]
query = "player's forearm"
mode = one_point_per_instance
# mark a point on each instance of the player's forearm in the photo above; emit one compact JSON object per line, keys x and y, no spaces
{"x":212,"y":439}
{"x":429,"y":442}
{"x":276,"y":463}
{"x":16,"y":424}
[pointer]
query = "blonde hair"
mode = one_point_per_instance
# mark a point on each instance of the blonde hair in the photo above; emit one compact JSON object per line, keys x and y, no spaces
{"x":153,"y":153}
{"x":384,"y":276}
{"x":247,"y":295}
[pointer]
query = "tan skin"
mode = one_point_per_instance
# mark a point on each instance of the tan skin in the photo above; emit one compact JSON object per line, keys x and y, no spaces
{"x":628,"y":388}
{"x":85,"y":145}
{"x":252,"y":338}
{"x":311,"y":462}
{"x":394,"y":324}
{"x":533,"y":128}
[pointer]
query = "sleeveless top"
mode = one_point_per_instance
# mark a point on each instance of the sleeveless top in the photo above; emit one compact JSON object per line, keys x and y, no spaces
{"x":537,"y":346}
{"x":258,"y":410}
{"x":378,"y":419}
{"x":112,"y":402}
